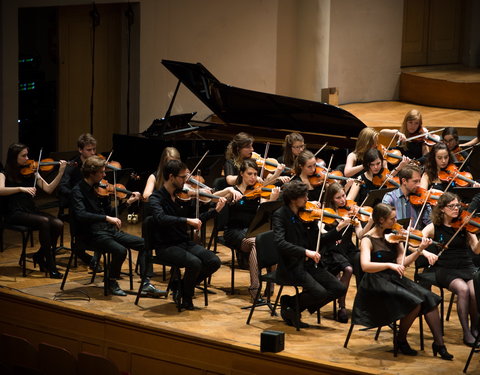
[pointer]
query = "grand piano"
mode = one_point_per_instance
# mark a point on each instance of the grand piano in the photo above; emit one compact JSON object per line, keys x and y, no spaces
{"x":268,"y":117}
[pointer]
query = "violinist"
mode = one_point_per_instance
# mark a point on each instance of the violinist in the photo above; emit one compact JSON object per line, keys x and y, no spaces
{"x":305,"y":166}
{"x":97,"y":226}
{"x":475,"y":140}
{"x":450,"y":138}
{"x":293,"y":145}
{"x":19,"y":192}
{"x":239,"y":149}
{"x":295,"y":240}
{"x":439,"y":158}
{"x":409,"y":177}
{"x":367,"y":140}
{"x":87,"y":146}
{"x":454,"y":268}
{"x":173,"y":218}
{"x":340,"y":256}
{"x":240,"y":215}
{"x":385,"y":294}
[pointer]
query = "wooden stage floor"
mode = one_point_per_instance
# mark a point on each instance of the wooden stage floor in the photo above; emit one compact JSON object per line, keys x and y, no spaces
{"x":224,"y":320}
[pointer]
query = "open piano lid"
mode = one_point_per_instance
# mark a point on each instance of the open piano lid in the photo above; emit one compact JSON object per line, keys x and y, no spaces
{"x":234,"y":105}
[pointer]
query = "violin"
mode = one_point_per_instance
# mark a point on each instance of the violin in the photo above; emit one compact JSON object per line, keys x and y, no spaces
{"x":380,"y":178}
{"x":419,"y":196}
{"x":399,"y":234}
{"x":311,"y":213}
{"x":473,"y":225}
{"x":46,"y":165}
{"x":457,"y":152}
{"x":112,"y":164}
{"x":104,"y":189}
{"x":451,"y":173}
{"x":269,"y":164}
{"x":202,"y":196}
{"x":259,"y":191}
{"x":426,"y":137}
{"x":391,"y":156}
{"x":363,"y":214}
{"x":321,"y":172}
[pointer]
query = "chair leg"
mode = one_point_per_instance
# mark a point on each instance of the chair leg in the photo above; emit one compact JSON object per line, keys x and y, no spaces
{"x":23,"y":256}
{"x":395,"y":346}
{"x":67,"y":270}
{"x":130,"y":268}
{"x":205,"y":291}
{"x":442,"y":312}
{"x":276,"y":300}
{"x":377,"y":334}
{"x":420,"y":323}
{"x":106,"y":272}
{"x":319,"y":318}
{"x":254,"y":305}
{"x":297,"y":310}
{"x":232,"y":276}
{"x":348,"y":335}
{"x":139,"y":293}
{"x":477,"y":340}
{"x":450,"y":305}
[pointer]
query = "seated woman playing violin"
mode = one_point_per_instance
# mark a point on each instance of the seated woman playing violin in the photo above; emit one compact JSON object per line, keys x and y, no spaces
{"x":450,"y":138}
{"x":340,"y":256}
{"x":385,"y":294}
{"x":367,"y":140}
{"x":241,"y":214}
{"x":305,"y":171}
{"x":454,"y":268}
{"x":299,"y":263}
{"x":19,"y":192}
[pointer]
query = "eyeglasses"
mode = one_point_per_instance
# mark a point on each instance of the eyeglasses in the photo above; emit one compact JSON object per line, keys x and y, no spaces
{"x":448,"y":140}
{"x":454,"y":206}
{"x":298,"y":147}
{"x":182,"y":177}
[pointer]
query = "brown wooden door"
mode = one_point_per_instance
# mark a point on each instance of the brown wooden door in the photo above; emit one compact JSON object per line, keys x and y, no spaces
{"x":75,"y":74}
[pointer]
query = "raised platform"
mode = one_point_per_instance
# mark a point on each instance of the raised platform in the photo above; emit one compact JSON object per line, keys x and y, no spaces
{"x":441,"y":87}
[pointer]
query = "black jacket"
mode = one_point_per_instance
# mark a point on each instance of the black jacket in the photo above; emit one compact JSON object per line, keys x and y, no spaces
{"x":71,"y":177}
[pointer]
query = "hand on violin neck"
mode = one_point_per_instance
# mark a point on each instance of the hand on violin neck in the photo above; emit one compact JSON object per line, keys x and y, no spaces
{"x":115,"y":221}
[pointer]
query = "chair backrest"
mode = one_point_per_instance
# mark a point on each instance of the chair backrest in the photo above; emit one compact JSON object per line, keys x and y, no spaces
{"x":147,"y":232}
{"x":56,"y":360}
{"x":267,"y":254}
{"x":16,"y":350}
{"x":89,"y":364}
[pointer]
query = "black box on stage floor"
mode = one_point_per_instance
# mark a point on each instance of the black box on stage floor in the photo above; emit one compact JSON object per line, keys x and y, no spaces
{"x":272,"y":341}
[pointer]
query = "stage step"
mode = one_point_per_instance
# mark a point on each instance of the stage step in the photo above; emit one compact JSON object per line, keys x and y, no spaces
{"x":457,"y":87}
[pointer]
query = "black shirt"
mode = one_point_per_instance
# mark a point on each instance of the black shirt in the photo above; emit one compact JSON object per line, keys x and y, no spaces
{"x":72,"y":176}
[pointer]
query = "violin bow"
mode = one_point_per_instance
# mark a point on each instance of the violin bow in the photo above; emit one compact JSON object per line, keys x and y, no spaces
{"x":197,"y":204}
{"x":429,"y":192}
{"x":320,"y":149}
{"x":38,"y":168}
{"x":267,"y":146}
{"x":323,"y":207}
{"x":391,"y":140}
{"x":195,"y":168}
{"x":406,"y":243}
{"x":424,"y":134}
{"x":465,"y":222}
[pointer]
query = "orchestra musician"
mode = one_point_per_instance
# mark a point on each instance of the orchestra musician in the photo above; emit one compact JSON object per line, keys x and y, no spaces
{"x":454,"y":268}
{"x":172,"y":240}
{"x":155,"y":180}
{"x":298,"y":263}
{"x":367,"y":140}
{"x":99,"y":228}
{"x":18,"y":192}
{"x":305,"y":166}
{"x":385,"y":294}
{"x":450,"y":138}
{"x":241,"y":214}
{"x":475,"y":140}
{"x":437,"y":159}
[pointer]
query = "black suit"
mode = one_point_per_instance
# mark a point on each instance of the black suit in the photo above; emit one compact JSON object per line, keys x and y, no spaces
{"x":292,"y":237}
{"x":89,"y":214}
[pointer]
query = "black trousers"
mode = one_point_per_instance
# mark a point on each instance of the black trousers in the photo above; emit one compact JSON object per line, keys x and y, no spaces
{"x":199,"y":263}
{"x":319,"y":288}
{"x":117,"y":242}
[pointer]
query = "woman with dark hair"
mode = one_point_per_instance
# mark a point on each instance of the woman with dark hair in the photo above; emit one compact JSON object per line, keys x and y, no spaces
{"x":293,"y":145}
{"x":439,"y":158}
{"x":305,"y":165}
{"x":19,"y":191}
{"x":385,"y":294}
{"x":450,"y":138}
{"x":241,"y":214}
{"x":454,"y":268}
{"x":239,"y":149}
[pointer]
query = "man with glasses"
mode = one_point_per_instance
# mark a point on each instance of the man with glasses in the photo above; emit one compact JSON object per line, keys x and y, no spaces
{"x":172,"y":241}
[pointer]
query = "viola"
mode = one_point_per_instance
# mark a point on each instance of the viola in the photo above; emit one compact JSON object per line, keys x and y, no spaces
{"x":104,"y":189}
{"x":46,"y":165}
{"x":363,"y":214}
{"x":269,"y":164}
{"x":259,"y":191}
{"x":451,"y":173}
{"x":419,"y":196}
{"x":384,"y":178}
{"x":473,"y":225}
{"x":399,"y":234}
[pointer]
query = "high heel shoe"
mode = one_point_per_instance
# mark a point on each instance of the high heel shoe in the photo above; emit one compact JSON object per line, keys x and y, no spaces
{"x":442,"y":350}
{"x":51,"y":267}
{"x":404,"y":348}
{"x":471,"y":344}
{"x":39,"y":259}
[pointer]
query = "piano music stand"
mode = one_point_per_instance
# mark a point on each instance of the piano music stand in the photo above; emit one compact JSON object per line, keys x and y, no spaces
{"x":376,"y":196}
{"x":261,"y":221}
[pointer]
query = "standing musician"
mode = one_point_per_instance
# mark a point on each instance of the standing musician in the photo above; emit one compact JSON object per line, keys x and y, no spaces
{"x":305,"y":166}
{"x":367,"y":140}
{"x":298,"y":264}
{"x":454,"y":268}
{"x":341,"y":256}
{"x":409,"y":177}
{"x":385,"y":294}
{"x":172,"y":240}
{"x":99,"y":228}
{"x":241,"y":214}
{"x":19,"y":191}
{"x":87,"y":146}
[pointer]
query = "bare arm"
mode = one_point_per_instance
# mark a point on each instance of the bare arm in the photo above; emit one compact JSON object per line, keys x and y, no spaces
{"x":4,"y":191}
{"x":49,"y":188}
{"x":149,"y":186}
{"x":424,"y":182}
{"x":473,"y":142}
{"x":350,"y":169}
{"x":473,"y":242}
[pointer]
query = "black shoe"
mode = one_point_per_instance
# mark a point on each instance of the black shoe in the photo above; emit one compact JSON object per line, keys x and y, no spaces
{"x":55,"y":274}
{"x":404,"y":348}
{"x":95,"y":266}
{"x":342,"y":315}
{"x":115,"y":289}
{"x":149,"y":290}
{"x":39,"y":259}
{"x":471,"y":344}
{"x":288,"y":315}
{"x":442,"y":350}
{"x":285,"y":301}
{"x":187,"y":303}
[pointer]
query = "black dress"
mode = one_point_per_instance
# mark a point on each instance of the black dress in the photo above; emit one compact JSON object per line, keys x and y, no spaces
{"x":19,"y":202}
{"x":314,"y":194}
{"x":365,"y":188}
{"x":456,"y":261}
{"x":383,"y":297}
{"x":340,"y":254}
